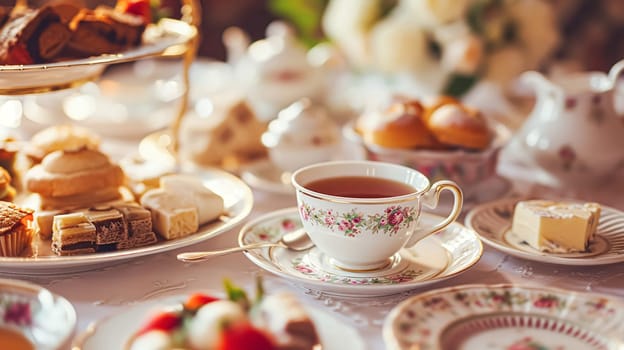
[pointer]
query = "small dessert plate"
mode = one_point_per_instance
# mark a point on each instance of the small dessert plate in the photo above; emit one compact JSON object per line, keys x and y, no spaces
{"x":505,"y":317}
{"x":435,"y":258}
{"x":265,"y":176}
{"x":492,"y":221}
{"x":115,"y":331}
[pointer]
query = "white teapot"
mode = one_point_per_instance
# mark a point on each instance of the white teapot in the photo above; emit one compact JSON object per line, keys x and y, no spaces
{"x":273,"y":72}
{"x":575,"y":133}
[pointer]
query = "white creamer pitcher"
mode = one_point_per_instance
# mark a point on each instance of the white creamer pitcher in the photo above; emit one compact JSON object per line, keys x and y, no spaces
{"x":575,"y":132}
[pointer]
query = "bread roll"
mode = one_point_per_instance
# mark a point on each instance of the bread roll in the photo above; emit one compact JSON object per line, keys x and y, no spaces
{"x":460,"y":126}
{"x":401,"y":126}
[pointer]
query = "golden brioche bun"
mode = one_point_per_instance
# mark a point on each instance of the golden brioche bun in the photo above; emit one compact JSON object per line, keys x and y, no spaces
{"x":433,"y":103}
{"x":401,"y":126}
{"x":456,"y":125}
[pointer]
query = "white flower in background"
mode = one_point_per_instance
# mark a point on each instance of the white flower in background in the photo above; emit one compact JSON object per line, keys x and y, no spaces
{"x":536,"y":29}
{"x":462,"y":51}
{"x":463,"y":40}
{"x":431,"y":13}
{"x":463,"y":55}
{"x":398,"y":45}
{"x":348,"y":22}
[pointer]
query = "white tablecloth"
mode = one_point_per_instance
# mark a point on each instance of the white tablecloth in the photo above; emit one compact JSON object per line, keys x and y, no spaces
{"x":97,"y":294}
{"x":106,"y":291}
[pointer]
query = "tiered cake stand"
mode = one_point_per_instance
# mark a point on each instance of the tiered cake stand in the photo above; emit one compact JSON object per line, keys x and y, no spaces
{"x":167,"y":38}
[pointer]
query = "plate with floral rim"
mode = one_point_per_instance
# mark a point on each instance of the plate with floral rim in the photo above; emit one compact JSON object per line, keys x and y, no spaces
{"x":505,"y":317}
{"x":492,"y":222}
{"x":433,"y":259}
{"x":115,"y":331}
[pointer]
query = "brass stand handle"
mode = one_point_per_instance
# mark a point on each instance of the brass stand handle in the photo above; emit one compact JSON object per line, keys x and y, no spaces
{"x":191,"y":14}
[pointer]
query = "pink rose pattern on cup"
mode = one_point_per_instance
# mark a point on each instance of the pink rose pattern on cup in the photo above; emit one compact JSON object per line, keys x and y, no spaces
{"x":353,"y":222}
{"x":17,"y":313}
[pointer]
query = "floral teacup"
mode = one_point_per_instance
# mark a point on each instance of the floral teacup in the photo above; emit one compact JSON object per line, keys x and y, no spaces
{"x":31,"y":317}
{"x":362,"y":232}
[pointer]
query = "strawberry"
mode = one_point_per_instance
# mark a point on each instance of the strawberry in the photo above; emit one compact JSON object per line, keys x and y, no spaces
{"x":139,"y":8}
{"x":244,"y":337}
{"x":19,"y":55}
{"x":164,"y":321}
{"x":198,"y":300}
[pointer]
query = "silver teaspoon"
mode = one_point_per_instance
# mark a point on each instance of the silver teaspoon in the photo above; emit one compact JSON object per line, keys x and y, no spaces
{"x":297,"y":240}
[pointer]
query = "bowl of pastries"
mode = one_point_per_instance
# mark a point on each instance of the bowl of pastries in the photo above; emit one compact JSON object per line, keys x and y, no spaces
{"x":441,"y":137}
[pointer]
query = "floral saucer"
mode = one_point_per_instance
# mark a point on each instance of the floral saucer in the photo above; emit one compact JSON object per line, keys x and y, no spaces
{"x":505,"y":317}
{"x":492,"y":221}
{"x":436,"y":258}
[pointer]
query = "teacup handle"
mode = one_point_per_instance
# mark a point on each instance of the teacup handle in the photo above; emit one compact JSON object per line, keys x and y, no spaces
{"x":614,"y":75}
{"x":431,"y":199}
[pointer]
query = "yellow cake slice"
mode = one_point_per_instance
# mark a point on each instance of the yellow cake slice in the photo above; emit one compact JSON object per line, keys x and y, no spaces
{"x":556,"y":226}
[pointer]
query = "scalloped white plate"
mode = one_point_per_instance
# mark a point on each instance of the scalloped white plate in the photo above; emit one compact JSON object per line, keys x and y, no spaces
{"x":492,"y":222}
{"x":157,"y":39}
{"x":505,"y":317}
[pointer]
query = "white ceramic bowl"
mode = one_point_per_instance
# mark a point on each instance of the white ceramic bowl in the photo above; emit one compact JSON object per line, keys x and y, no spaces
{"x":466,"y":168}
{"x":46,"y":319}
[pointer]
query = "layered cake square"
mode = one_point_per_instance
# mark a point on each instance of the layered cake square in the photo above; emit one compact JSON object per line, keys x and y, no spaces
{"x":73,"y":234}
{"x":110,"y":227}
{"x":139,"y":224}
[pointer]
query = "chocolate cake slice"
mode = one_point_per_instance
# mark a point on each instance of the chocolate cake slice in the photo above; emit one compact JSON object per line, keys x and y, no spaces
{"x":139,"y":221}
{"x":103,"y":31}
{"x":32,"y":36}
{"x":110,"y":227}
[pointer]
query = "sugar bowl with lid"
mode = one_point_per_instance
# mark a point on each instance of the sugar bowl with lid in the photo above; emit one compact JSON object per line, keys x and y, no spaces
{"x":302,"y":134}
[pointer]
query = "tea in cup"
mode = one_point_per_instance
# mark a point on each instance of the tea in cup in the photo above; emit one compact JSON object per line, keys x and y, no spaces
{"x":361,"y":213}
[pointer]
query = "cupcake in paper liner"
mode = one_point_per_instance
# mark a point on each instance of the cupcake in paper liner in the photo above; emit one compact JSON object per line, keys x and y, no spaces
{"x":16,"y":229}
